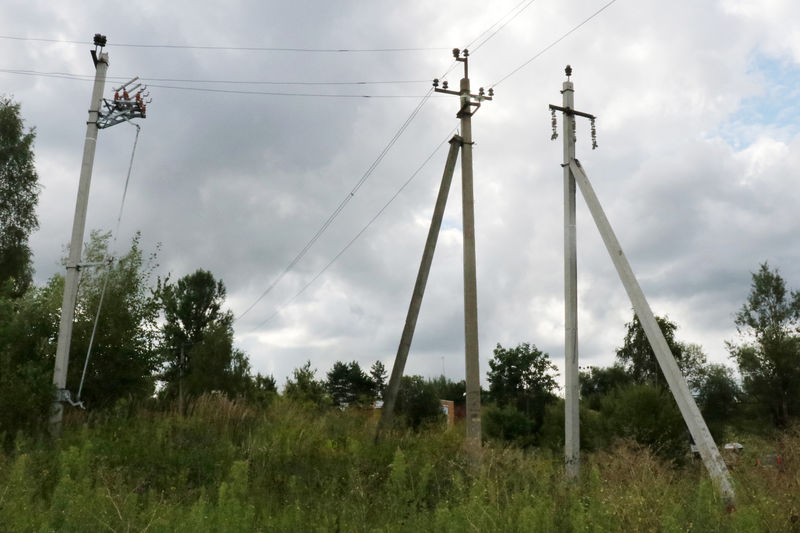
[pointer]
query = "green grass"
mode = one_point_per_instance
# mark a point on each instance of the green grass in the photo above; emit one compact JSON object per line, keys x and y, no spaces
{"x":229,"y":467}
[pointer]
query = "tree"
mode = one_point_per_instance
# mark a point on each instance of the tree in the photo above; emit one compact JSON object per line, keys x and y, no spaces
{"x":523,"y":377}
{"x":28,"y":331}
{"x":19,"y":194}
{"x":769,"y":354}
{"x":198,"y":338}
{"x":124,"y":356}
{"x":303,"y":386}
{"x":378,"y":374}
{"x":718,"y":397}
{"x":647,"y":414}
{"x":638,"y":358}
{"x":348,"y":384}
{"x":418,"y":402}
{"x":598,"y":382}
{"x":262,"y":389}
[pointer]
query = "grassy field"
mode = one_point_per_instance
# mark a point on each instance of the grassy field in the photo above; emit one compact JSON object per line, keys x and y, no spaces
{"x":228,"y":467}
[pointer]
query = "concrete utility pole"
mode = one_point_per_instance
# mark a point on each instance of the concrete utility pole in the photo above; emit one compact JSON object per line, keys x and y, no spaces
{"x":677,"y":384}
{"x":572,"y":449}
{"x":76,"y":242}
{"x":390,"y":396}
{"x":121,"y":109}
{"x":469,"y":105}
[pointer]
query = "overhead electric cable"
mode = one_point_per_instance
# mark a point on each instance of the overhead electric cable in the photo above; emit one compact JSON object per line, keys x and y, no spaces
{"x":275,"y":93}
{"x":90,"y":77}
{"x":342,"y":204}
{"x":358,"y":235}
{"x":551,"y":45}
{"x":527,"y":3}
{"x":227,"y":91}
{"x":231,"y":48}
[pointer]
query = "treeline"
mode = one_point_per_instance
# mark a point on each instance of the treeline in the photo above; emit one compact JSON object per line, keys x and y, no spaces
{"x":163,"y":341}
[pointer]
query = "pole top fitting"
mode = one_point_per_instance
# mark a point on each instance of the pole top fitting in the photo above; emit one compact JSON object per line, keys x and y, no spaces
{"x":97,"y":53}
{"x":568,"y":71}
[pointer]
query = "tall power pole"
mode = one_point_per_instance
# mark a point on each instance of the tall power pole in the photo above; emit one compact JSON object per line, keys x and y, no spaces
{"x":469,"y":104}
{"x":122,"y":108}
{"x":677,"y":384}
{"x":76,"y":242}
{"x":572,"y":447}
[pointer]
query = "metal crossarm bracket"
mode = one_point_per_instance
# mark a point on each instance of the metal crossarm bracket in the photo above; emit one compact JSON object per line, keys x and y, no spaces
{"x":64,"y":396}
{"x":570,"y":112}
{"x":468,"y":99}
{"x":129,"y":102}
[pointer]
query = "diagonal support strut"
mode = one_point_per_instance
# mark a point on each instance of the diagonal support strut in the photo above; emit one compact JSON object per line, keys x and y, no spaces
{"x":677,"y":384}
{"x":390,"y":397}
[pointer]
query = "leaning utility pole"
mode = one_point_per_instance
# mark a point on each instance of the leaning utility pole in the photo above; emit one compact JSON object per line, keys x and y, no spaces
{"x":680,"y":390}
{"x":121,"y":109}
{"x":468,"y":101}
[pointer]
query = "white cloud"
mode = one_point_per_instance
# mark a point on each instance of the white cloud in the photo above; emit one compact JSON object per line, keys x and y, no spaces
{"x":694,"y":169}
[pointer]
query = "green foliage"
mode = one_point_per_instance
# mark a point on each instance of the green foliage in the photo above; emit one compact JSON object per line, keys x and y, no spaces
{"x":418,"y":402}
{"x":648,"y":415}
{"x":19,"y":194}
{"x":303,"y":387}
{"x":446,"y":389}
{"x":347,"y":384}
{"x":262,"y":390}
{"x":28,"y":329}
{"x":520,"y":382}
{"x":198,"y":347}
{"x":510,"y":424}
{"x":229,"y":467}
{"x":638,"y":358}
{"x":718,"y":397}
{"x":769,"y":354}
{"x":599,"y":382}
{"x":124,"y":355}
{"x":377,"y":372}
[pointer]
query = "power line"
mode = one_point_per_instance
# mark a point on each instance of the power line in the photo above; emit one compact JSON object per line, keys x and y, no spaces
{"x":222,"y":91}
{"x":70,"y":75}
{"x":375,"y":217}
{"x":342,"y":204}
{"x":276,"y":93}
{"x":230,"y":48}
{"x":551,"y":45}
{"x":527,"y":3}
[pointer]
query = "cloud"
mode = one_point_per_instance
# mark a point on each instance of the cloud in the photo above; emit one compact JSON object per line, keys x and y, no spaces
{"x":695,"y":106}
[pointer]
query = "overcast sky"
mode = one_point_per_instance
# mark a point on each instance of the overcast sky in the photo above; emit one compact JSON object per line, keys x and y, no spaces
{"x":697,"y":106}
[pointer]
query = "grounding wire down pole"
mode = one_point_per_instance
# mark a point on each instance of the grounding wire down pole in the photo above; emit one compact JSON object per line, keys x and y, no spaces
{"x":76,"y":242}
